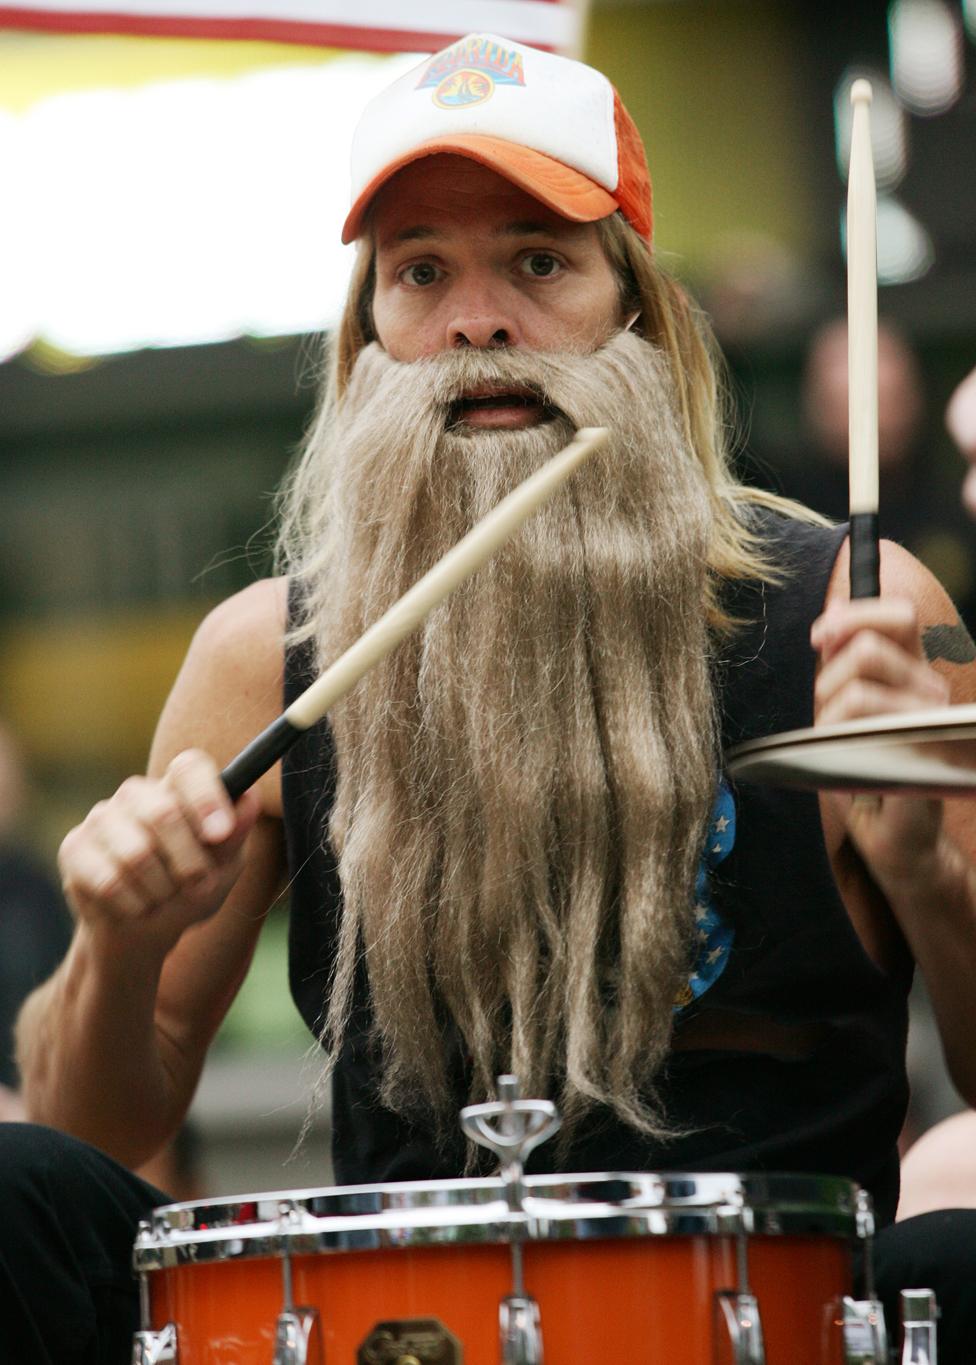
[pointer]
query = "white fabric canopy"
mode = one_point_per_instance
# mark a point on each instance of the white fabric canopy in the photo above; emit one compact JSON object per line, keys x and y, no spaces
{"x":196,"y":209}
{"x":375,"y":25}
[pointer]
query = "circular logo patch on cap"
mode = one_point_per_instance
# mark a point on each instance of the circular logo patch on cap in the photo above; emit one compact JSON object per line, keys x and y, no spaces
{"x":462,"y":88}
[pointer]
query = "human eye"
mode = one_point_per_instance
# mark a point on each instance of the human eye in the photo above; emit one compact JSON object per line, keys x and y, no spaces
{"x":540,"y":265}
{"x":419,"y":274}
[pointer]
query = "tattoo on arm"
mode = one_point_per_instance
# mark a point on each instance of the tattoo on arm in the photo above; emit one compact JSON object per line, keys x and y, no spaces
{"x":952,"y":643}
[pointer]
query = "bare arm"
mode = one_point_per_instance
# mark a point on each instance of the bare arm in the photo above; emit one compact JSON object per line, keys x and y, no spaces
{"x":904,"y":652}
{"x":169,"y":885}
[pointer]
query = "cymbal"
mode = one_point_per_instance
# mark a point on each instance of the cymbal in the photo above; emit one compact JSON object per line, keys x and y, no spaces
{"x":926,"y":753}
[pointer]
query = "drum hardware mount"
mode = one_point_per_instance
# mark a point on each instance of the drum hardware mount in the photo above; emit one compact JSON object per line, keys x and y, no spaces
{"x":919,"y":1315}
{"x":863,"y":1327}
{"x":738,"y":1325}
{"x":865,"y":1336}
{"x":298,"y":1335}
{"x":410,"y":1341}
{"x":519,"y":1330}
{"x":155,"y":1348}
{"x":512,"y":1128}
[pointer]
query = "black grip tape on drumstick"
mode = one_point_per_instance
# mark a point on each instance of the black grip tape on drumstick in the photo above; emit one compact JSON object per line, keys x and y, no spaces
{"x":260,"y":755}
{"x":865,"y":558}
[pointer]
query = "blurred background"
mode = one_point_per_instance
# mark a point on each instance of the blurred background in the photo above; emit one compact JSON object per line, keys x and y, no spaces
{"x":169,"y":263}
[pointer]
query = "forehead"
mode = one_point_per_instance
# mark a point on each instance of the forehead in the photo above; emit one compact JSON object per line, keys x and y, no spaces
{"x":452,"y":194}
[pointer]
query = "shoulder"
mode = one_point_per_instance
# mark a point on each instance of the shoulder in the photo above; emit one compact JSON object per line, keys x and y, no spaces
{"x":945,"y":640}
{"x":902,"y":575}
{"x":246,"y":629}
{"x":789,"y":537}
{"x":792,"y":561}
{"x":230,"y":685}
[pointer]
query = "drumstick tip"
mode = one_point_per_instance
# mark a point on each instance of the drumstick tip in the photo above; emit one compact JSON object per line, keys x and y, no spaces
{"x":592,"y":436}
{"x":861,"y":92}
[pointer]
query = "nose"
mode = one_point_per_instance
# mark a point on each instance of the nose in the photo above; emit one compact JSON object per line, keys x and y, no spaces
{"x":478,"y":335}
{"x":479,"y":319}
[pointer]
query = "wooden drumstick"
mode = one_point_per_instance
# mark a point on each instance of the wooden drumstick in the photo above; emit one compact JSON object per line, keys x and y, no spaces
{"x":459,"y":563}
{"x":862,"y":349}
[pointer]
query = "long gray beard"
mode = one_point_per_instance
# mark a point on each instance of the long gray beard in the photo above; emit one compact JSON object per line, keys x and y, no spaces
{"x":524,"y":785}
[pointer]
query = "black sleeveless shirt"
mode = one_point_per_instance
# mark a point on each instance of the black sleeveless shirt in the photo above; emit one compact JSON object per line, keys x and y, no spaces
{"x":830,"y":1101}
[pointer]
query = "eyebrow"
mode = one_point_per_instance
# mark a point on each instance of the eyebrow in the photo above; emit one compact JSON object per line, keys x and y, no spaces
{"x":420,"y":232}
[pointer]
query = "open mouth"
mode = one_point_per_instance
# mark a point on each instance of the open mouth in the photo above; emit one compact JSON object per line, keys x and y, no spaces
{"x":500,"y":407}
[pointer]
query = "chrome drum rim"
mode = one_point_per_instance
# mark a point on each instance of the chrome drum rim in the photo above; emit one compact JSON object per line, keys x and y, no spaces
{"x":455,"y":1212}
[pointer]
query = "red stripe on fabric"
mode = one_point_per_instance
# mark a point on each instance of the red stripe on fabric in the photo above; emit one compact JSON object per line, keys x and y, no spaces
{"x":357,"y":38}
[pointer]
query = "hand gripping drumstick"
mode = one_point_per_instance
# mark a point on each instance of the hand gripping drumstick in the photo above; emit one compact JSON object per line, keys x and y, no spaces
{"x":459,"y":563}
{"x":862,"y":349}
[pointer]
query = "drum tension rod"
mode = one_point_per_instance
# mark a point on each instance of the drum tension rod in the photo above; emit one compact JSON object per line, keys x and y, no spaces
{"x":865,"y":1336}
{"x":512,"y":1128}
{"x":738,"y":1325}
{"x":298,"y":1335}
{"x":149,"y":1346}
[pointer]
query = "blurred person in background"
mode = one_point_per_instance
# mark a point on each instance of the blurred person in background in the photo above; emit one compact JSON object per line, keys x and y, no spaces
{"x":916,"y":506}
{"x":35,"y":931}
{"x":35,"y":927}
{"x":961,"y":421}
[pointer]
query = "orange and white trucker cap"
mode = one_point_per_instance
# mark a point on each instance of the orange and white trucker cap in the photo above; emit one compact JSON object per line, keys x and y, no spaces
{"x":553,"y":126}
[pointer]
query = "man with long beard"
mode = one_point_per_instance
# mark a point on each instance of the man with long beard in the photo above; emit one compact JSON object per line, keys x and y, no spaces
{"x":511,"y":848}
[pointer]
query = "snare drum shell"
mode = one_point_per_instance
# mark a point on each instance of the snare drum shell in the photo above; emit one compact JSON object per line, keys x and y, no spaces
{"x":639,"y":1300}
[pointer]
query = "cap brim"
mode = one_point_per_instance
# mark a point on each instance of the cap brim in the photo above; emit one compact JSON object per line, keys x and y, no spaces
{"x":567,"y":192}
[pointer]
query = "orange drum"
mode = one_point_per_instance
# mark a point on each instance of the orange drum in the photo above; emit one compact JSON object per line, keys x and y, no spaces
{"x":648,"y":1269}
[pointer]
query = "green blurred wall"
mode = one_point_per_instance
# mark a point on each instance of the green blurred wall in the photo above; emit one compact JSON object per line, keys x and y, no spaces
{"x":717,"y":92}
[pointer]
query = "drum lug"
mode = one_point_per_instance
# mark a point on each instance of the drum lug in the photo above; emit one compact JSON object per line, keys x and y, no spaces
{"x":918,"y":1319}
{"x":739,"y":1337}
{"x":298,"y":1338}
{"x":519,"y":1330}
{"x":865,"y":1335}
{"x":156,"y":1348}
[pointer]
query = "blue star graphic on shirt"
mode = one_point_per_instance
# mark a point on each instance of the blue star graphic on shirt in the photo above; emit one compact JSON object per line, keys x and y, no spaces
{"x":713,"y":936}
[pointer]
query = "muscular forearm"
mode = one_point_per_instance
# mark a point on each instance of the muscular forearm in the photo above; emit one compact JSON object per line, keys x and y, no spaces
{"x":92,"y":1060}
{"x":937,"y":913}
{"x":169,"y":890}
{"x":900,"y":653}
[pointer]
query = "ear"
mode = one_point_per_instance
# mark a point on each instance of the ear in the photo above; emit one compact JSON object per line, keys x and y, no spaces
{"x":364,"y":302}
